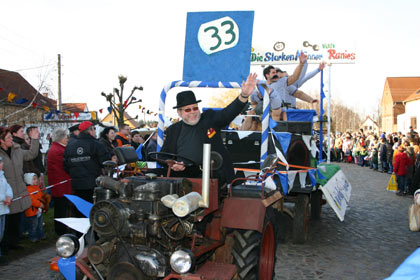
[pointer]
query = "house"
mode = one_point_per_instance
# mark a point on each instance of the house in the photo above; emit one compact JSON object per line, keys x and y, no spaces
{"x":412,"y":113}
{"x":12,"y":84}
{"x":396,"y":91}
{"x":109,"y":119}
{"x":369,"y":125}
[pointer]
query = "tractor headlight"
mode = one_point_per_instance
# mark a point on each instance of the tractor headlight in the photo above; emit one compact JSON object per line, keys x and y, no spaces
{"x":67,"y":245}
{"x":182,"y":261}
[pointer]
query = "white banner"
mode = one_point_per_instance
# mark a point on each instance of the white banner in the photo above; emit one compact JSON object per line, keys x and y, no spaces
{"x":337,"y":193}
{"x":287,"y":52}
{"x":82,"y":116}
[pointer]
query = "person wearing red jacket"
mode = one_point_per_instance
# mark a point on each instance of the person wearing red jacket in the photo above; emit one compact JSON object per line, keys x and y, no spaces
{"x":401,"y":162}
{"x":57,"y":174}
{"x":34,"y":212}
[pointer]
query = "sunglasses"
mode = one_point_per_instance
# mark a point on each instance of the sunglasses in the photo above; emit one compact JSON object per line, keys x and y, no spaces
{"x":190,"y":109}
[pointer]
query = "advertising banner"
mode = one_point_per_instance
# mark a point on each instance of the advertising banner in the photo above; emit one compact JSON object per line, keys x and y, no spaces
{"x":337,"y":193}
{"x":285,"y":52}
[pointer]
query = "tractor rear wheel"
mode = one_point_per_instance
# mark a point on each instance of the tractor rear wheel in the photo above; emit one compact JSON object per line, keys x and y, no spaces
{"x":254,"y":253}
{"x":301,"y":219}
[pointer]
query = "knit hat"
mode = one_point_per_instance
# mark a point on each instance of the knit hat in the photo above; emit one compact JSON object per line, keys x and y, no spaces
{"x":85,"y":125}
{"x":29,"y":178}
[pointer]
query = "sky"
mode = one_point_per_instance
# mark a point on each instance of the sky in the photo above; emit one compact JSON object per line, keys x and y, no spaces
{"x":100,"y":40}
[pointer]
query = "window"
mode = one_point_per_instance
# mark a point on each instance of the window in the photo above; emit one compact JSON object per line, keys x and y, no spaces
{"x":413,"y":122}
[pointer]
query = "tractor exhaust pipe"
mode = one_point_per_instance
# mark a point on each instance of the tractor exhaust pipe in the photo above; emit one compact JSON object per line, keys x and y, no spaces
{"x":205,"y":189}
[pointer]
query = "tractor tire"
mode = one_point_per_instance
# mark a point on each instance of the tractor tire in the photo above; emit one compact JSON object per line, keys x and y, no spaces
{"x":316,"y":204}
{"x":254,"y":253}
{"x":301,"y":219}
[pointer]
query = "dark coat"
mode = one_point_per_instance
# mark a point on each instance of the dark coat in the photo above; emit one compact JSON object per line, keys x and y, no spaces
{"x":383,"y":152}
{"x":210,"y":119}
{"x":56,"y":172}
{"x":83,"y":159}
{"x":108,"y":146}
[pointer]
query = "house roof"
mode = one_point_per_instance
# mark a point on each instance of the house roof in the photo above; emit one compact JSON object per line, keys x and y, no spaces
{"x":402,"y":87}
{"x":127,"y":119}
{"x":13,"y":82}
{"x":75,"y":107}
{"x":369,"y":118}
{"x":414,"y":96}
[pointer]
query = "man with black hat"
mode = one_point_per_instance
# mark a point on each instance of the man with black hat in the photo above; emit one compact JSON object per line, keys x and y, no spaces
{"x":186,"y":137}
{"x":83,"y":159}
{"x":74,"y":132}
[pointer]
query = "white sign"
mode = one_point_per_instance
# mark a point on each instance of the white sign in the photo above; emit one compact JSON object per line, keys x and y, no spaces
{"x":218,"y":35}
{"x":283,"y":52}
{"x":337,"y":193}
{"x":84,"y":116}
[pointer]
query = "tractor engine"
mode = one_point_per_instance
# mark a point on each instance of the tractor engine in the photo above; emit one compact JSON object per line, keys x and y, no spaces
{"x":132,"y":227}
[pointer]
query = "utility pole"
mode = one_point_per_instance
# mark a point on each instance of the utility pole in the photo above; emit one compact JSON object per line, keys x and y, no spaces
{"x":59,"y":84}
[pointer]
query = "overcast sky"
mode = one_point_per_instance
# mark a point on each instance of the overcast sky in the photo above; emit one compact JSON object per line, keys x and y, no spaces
{"x":99,"y":40}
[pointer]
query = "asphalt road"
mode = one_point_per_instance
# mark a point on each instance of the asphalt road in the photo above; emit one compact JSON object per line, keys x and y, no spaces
{"x":371,"y":243}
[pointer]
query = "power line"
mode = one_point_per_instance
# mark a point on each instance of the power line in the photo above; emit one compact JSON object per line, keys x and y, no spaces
{"x":31,"y":68}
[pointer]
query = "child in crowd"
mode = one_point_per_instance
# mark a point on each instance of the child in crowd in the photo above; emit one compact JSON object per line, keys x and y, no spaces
{"x":6,"y":194}
{"x":34,"y":213}
{"x":374,"y":155}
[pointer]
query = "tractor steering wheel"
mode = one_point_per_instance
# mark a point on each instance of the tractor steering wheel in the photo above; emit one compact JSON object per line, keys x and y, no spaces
{"x":169,"y":162}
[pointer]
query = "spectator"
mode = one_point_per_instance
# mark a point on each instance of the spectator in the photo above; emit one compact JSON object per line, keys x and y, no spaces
{"x":374,"y":155}
{"x":34,"y":212}
{"x":383,"y":155}
{"x":151,"y":145}
{"x":37,"y":162}
{"x":57,"y":174}
{"x":122,"y":136}
{"x":136,"y":139}
{"x":338,"y":145}
{"x":107,"y":138}
{"x":13,"y":157}
{"x":83,"y":160}
{"x":390,"y":153}
{"x":401,"y":163}
{"x":74,"y":132}
{"x":6,"y":195}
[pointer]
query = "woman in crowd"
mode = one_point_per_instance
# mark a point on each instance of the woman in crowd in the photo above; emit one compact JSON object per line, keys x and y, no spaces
{"x":13,"y":157}
{"x":56,"y":174}
{"x":107,"y":138}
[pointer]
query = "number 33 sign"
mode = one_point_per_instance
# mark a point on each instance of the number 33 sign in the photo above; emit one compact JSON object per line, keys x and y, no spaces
{"x":218,"y":46}
{"x":218,"y":35}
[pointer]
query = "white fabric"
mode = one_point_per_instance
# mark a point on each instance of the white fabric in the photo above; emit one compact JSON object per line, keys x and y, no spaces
{"x":291,"y":175}
{"x":270,"y":184}
{"x":313,"y":148}
{"x":243,"y":134}
{"x":302,"y":178}
{"x":307,"y":141}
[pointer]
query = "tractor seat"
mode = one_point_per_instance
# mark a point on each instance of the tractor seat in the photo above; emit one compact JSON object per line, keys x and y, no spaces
{"x":252,"y":191}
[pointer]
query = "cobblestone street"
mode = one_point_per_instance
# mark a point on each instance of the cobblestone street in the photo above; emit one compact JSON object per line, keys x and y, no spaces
{"x":371,"y":243}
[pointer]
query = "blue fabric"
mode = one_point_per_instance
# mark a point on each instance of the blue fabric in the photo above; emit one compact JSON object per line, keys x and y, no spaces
{"x":284,"y":182}
{"x":409,"y":269}
{"x":311,"y":173}
{"x":47,"y":117}
{"x":321,"y":113}
{"x":138,"y":151}
{"x":109,"y":109}
{"x":320,"y":176}
{"x":284,"y":139}
{"x":21,"y":100}
{"x":272,"y":123}
{"x":36,"y":232}
{"x":82,"y":205}
{"x":67,"y":267}
{"x":299,"y":115}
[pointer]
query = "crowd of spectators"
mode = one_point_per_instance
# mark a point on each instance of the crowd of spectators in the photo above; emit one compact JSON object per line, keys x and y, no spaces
{"x":392,"y":153}
{"x":72,"y":163}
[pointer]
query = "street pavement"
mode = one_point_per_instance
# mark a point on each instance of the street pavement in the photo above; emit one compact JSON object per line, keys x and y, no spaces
{"x":371,"y":243}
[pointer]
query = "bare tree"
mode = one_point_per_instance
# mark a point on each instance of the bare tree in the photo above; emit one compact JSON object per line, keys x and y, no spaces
{"x":117,"y":102}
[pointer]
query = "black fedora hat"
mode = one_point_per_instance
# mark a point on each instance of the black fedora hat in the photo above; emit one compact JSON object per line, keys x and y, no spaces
{"x":185,"y":98}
